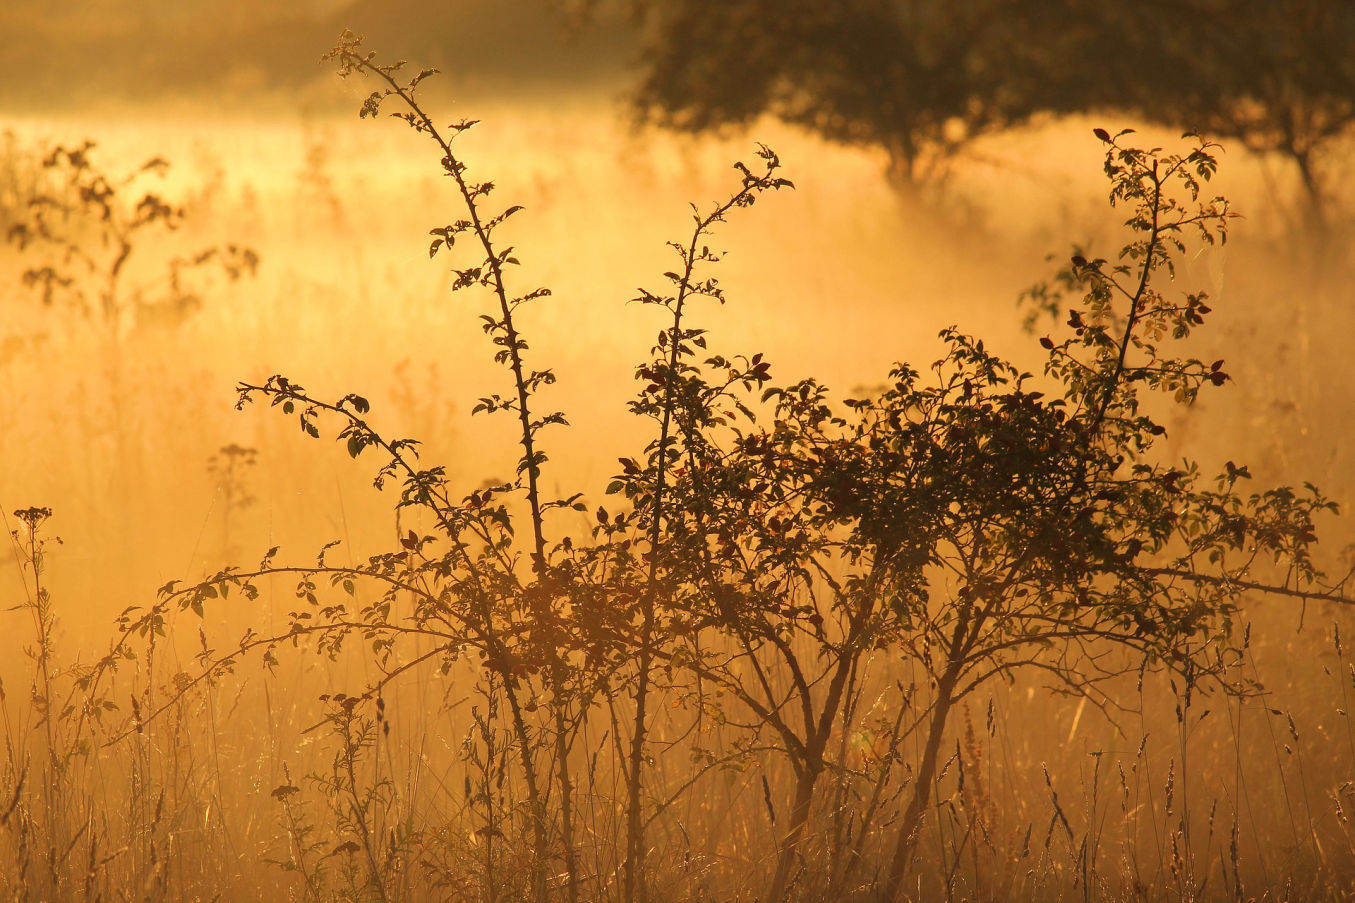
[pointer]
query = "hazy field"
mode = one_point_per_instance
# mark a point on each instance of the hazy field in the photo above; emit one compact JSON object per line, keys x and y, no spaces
{"x":114,"y":429}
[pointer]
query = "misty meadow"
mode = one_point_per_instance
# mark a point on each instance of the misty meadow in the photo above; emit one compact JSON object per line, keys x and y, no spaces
{"x":896,"y":452}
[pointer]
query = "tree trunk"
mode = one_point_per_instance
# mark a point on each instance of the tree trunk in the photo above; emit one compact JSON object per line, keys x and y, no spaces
{"x":534,"y":801}
{"x":633,"y":878}
{"x":911,"y":826}
{"x":805,"y":780}
{"x":1315,"y":211}
{"x":566,"y":797}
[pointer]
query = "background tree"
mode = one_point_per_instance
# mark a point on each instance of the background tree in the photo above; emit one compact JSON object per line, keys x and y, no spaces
{"x":918,"y":79}
{"x":922,"y":79}
{"x":1279,"y":76}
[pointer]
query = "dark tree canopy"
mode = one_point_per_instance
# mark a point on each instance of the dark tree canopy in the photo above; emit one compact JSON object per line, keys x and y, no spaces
{"x":919,"y":79}
{"x":1276,"y":75}
{"x":923,"y":78}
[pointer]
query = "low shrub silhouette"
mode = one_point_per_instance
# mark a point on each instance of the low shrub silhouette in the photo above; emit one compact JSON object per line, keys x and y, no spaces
{"x":779,"y":586}
{"x":85,"y":227}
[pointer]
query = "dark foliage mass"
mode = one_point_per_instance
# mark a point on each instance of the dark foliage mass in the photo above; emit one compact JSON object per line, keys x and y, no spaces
{"x":923,"y":78}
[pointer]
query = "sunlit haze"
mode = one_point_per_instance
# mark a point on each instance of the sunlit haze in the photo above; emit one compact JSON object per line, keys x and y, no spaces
{"x":119,"y":414}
